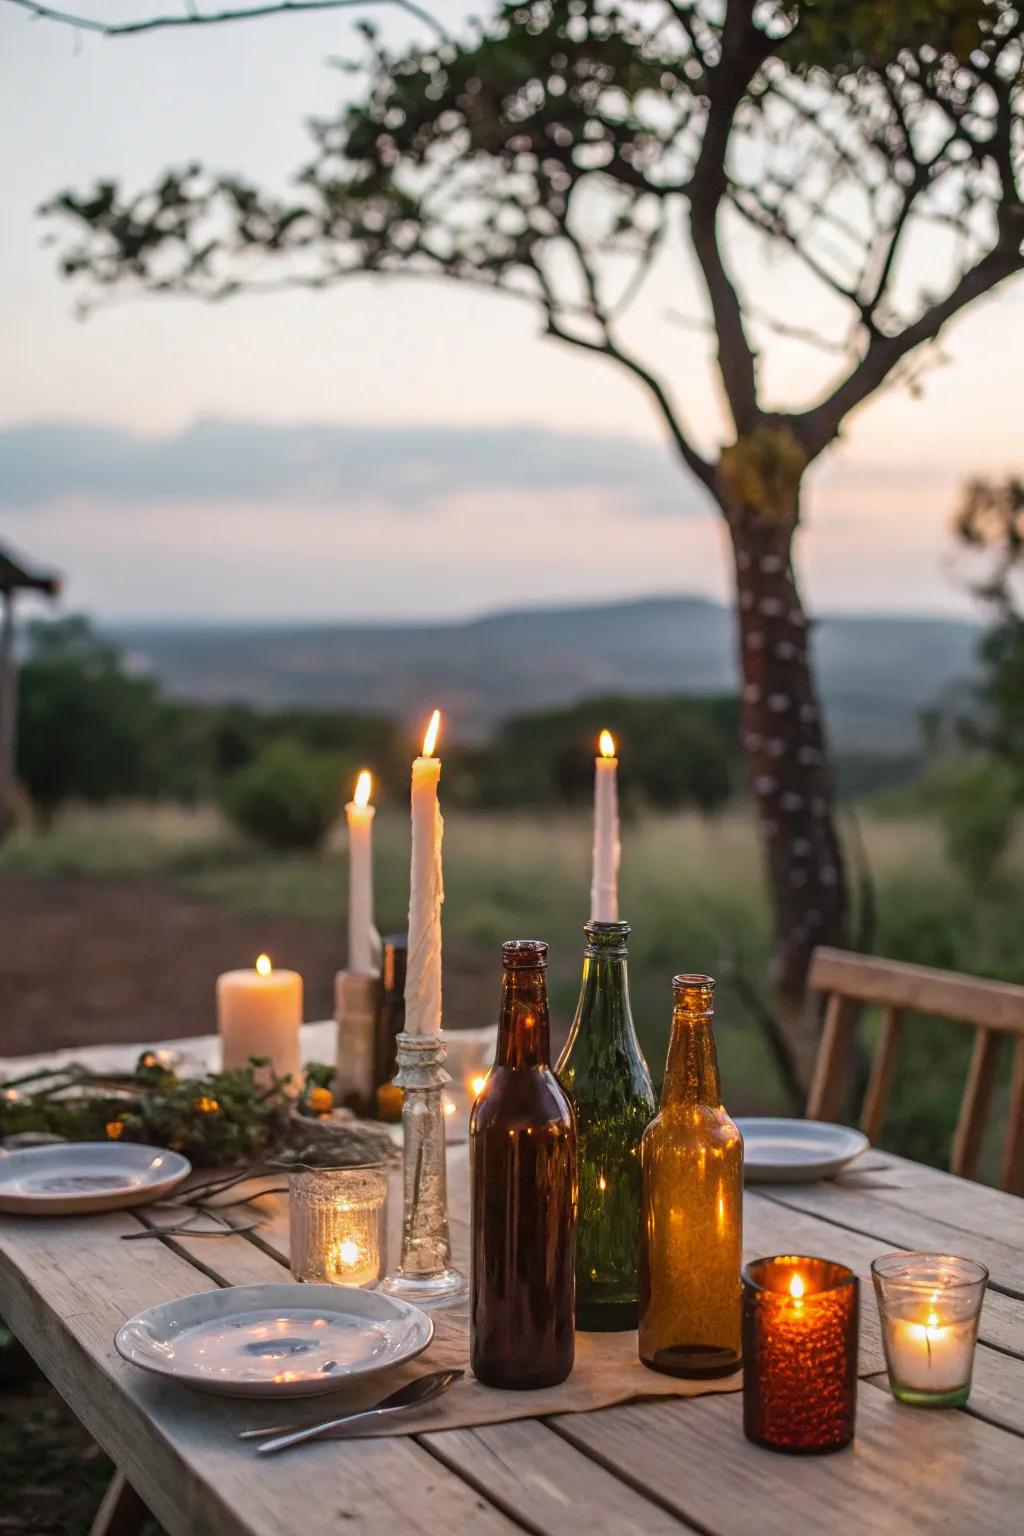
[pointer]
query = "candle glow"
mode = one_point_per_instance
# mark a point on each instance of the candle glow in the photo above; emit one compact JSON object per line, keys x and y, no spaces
{"x":430,"y":738}
{"x":606,"y":743}
{"x":263,"y":965}
{"x":364,"y":786}
{"x":800,"y":1332}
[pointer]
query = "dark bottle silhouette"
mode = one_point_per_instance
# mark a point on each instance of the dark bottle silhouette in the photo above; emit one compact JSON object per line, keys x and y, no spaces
{"x":523,"y":1177}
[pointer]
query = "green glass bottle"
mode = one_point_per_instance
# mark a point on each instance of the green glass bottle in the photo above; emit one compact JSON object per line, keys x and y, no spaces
{"x":603,"y":1071}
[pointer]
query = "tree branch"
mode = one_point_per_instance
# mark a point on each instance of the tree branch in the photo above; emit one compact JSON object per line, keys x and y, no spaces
{"x":42,"y":12}
{"x":818,"y":426}
{"x":743,"y":49}
{"x":608,"y":348}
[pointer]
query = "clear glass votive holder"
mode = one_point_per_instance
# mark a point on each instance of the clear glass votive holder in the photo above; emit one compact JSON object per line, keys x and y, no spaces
{"x":800,"y":1339}
{"x":337,"y":1220}
{"x":929,"y":1305}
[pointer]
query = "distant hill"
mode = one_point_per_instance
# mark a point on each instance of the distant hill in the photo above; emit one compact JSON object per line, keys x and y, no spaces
{"x":878,"y":672}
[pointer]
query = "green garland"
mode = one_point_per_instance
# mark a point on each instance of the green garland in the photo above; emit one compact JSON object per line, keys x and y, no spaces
{"x":216,"y":1120}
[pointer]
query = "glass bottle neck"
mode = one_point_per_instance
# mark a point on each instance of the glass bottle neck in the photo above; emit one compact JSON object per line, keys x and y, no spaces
{"x":691,"y":1073}
{"x":604,"y":989}
{"x":524,"y":1027}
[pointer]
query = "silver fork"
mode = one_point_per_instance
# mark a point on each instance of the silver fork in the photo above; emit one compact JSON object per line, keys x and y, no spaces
{"x":412,"y":1395}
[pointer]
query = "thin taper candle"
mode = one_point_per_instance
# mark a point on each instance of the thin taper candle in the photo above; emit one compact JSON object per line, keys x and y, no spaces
{"x":360,"y":813}
{"x":426,"y":892}
{"x":604,"y":886}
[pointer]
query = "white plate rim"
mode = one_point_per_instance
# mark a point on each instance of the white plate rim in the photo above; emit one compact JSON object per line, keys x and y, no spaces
{"x":826,"y":1165}
{"x":70,"y":1203}
{"x":254,"y":1298}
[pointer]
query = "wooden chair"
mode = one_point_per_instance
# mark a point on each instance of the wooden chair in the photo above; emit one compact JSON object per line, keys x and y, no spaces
{"x":992,"y":1008}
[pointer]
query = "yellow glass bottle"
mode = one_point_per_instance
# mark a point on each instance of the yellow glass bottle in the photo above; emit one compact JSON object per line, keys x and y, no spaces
{"x":691,"y":1238}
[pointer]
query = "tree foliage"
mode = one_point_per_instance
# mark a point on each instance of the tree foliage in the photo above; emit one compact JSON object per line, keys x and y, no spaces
{"x":990,"y":524}
{"x":88,"y":728}
{"x":559,"y":147}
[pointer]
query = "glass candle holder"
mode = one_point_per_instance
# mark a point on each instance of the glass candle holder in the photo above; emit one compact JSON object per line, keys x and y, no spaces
{"x":800,"y":1335}
{"x":930,"y":1306}
{"x":337,"y":1220}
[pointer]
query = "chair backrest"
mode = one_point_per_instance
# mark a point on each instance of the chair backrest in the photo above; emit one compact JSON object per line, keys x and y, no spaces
{"x":993,"y":1009}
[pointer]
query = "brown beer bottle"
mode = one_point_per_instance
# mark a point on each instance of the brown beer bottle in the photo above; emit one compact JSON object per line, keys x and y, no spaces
{"x":523,"y":1175}
{"x":691,"y":1160}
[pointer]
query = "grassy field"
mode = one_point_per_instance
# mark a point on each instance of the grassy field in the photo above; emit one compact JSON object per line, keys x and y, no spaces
{"x":691,"y":887}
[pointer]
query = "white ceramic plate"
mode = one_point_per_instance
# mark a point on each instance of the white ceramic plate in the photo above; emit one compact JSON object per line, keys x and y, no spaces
{"x":284,"y":1340}
{"x":75,"y":1177}
{"x":796,"y":1151}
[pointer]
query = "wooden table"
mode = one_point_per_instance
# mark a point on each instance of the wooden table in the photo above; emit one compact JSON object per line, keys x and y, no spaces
{"x":649,"y":1468}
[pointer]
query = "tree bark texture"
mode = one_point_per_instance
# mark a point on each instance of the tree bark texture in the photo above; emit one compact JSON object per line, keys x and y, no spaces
{"x":787,"y":757}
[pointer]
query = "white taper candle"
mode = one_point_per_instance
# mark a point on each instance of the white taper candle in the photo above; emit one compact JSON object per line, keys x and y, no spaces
{"x":604,"y":885}
{"x":426,"y":893}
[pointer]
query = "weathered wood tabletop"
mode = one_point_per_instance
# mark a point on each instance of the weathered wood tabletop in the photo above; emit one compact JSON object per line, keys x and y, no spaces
{"x":671,"y":1466}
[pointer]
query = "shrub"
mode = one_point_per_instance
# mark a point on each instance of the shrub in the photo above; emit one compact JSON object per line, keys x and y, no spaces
{"x":976,"y":804}
{"x":287,"y":797}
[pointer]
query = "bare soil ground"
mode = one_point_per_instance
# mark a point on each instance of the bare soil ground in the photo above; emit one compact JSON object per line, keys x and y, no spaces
{"x":90,"y":962}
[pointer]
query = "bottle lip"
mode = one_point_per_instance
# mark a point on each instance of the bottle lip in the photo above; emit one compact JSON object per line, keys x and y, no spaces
{"x":595,"y":929}
{"x":693,"y":981}
{"x":524,"y":955}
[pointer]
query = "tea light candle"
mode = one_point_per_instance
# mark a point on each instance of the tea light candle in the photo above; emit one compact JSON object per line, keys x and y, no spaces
{"x":930,"y":1307}
{"x":800,"y":1321}
{"x":258,"y":1014}
{"x":337,"y":1226}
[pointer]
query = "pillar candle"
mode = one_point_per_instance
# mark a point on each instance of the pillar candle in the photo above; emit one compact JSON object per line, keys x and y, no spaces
{"x":361,"y":934}
{"x":426,"y":893}
{"x":258,"y":1014}
{"x":604,"y":886}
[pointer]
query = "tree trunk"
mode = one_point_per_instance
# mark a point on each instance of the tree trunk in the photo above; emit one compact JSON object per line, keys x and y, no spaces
{"x":786,"y":752}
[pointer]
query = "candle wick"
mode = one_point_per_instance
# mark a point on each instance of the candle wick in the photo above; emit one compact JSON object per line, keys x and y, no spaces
{"x":928,"y":1345}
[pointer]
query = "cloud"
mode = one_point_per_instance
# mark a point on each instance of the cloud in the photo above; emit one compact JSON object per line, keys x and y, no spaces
{"x":408,"y":467}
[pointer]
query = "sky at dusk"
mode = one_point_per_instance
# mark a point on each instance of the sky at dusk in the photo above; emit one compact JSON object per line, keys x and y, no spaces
{"x":388,"y":450}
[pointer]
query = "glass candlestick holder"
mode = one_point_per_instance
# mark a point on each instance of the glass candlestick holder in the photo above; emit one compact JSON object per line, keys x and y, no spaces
{"x":337,"y":1220}
{"x":800,"y":1335}
{"x":929,"y":1305}
{"x":425,"y":1273}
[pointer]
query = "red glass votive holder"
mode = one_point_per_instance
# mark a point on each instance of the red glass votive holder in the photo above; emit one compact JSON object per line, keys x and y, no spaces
{"x":800,"y":1335}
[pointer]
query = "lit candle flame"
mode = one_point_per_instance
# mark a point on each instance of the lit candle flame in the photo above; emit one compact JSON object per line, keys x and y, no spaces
{"x":607,"y":744}
{"x":348,"y":1252}
{"x":364,"y":785}
{"x":796,"y":1287}
{"x":263,"y":965}
{"x":430,"y":739}
{"x":602,"y":1182}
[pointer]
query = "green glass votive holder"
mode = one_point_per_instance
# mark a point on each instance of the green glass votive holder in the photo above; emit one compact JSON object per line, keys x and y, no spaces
{"x":929,"y":1305}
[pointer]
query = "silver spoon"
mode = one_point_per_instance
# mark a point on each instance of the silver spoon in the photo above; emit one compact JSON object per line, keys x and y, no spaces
{"x":411,"y":1395}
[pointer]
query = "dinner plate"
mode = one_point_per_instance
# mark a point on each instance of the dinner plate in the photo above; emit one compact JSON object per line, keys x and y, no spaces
{"x":284,"y":1340}
{"x":796,"y":1151}
{"x":72,"y":1178}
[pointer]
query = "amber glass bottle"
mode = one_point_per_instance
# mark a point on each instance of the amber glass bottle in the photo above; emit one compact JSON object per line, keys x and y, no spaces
{"x":523,"y":1178}
{"x":692,"y":1167}
{"x":603,"y":1071}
